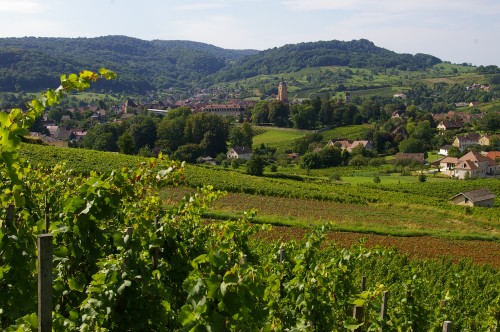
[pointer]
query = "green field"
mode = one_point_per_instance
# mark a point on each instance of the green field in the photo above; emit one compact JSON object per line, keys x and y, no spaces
{"x":398,"y":205}
{"x":353,"y":132}
{"x":276,"y":137}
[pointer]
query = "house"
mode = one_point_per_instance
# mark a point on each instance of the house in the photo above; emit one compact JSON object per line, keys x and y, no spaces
{"x":447,"y":163}
{"x":341,"y":143}
{"x":397,"y":114}
{"x":474,"y":164}
{"x":494,"y":155}
{"x":449,"y":125}
{"x":54,"y":130}
{"x":78,"y":135}
{"x":207,"y":161}
{"x":463,"y":141}
{"x":345,"y":144}
{"x":486,"y":140}
{"x":224,"y":109}
{"x":474,"y":103}
{"x":444,"y":150}
{"x":419,"y":157}
{"x":294,"y":157}
{"x":240,"y":152}
{"x":364,"y":144}
{"x":128,"y":106}
{"x":399,"y":95}
{"x":479,"y":197}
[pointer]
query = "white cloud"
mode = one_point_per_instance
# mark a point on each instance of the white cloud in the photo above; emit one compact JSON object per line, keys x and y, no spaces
{"x":485,"y":7}
{"x":200,"y":6}
{"x":20,"y":6}
{"x":218,"y":30}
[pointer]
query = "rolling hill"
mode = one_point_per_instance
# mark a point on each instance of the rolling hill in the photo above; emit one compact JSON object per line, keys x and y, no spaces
{"x":31,"y":64}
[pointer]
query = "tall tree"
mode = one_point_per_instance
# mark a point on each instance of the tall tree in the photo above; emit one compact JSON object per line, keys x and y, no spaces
{"x":325,"y":113}
{"x":126,"y":143}
{"x":260,"y":112}
{"x":278,"y":113}
{"x":255,"y":166}
{"x":102,"y":137}
{"x":241,"y":135}
{"x":197,"y":127}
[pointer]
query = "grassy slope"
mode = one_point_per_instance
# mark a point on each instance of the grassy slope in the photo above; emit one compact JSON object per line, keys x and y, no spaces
{"x":397,"y":206}
{"x":276,"y":137}
{"x":308,"y":82}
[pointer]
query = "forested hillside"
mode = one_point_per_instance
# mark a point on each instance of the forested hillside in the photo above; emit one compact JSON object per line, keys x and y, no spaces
{"x":357,"y":53}
{"x":30,"y":63}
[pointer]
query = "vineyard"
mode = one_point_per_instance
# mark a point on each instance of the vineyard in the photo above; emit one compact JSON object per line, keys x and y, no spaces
{"x":123,"y":260}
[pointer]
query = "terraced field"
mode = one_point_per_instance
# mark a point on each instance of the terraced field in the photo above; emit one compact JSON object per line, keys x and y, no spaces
{"x":419,"y":232}
{"x":424,"y":247}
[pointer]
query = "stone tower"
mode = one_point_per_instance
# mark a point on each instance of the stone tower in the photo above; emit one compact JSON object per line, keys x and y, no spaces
{"x":347,"y":97}
{"x":282,"y":91}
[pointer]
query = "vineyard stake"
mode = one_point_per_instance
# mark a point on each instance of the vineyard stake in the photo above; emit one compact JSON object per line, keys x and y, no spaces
{"x":447,"y":325}
{"x":383,"y":309}
{"x":282,"y":255}
{"x":156,"y":250}
{"x":363,"y":283}
{"x":45,"y":282}
{"x":47,"y":219}
{"x":10,"y":215}
{"x":358,"y":314}
{"x":128,"y":233}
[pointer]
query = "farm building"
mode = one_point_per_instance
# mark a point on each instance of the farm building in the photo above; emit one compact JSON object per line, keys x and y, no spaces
{"x":479,"y":197}
{"x":240,"y":152}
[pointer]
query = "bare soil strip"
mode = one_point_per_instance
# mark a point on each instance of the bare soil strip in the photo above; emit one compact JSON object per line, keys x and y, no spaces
{"x":480,"y":252}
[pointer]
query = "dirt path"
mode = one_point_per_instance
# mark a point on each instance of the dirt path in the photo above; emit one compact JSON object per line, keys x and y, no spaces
{"x":480,"y":252}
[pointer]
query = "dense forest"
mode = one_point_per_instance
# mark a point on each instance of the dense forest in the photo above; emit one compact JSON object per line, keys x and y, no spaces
{"x":29,"y":64}
{"x":357,"y":53}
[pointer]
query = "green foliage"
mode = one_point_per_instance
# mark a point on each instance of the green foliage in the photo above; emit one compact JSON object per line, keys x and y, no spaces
{"x":255,"y":166}
{"x":124,"y":261}
{"x":241,"y":135}
{"x":32,"y":63}
{"x":208,"y":130}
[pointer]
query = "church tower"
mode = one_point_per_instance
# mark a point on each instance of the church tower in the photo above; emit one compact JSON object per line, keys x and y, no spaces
{"x":282,"y":91}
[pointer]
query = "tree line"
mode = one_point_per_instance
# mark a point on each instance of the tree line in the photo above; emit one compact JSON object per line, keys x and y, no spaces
{"x":25,"y":63}
{"x":180,"y":133}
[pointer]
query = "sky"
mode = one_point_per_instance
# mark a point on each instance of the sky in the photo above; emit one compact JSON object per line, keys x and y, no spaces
{"x":453,"y":30}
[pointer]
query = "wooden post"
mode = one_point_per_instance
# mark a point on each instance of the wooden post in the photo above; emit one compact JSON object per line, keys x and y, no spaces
{"x":128,"y":232}
{"x":156,"y":250}
{"x":358,"y":314}
{"x":383,"y":309}
{"x":9,"y":220}
{"x":45,"y":283}
{"x":447,"y":325}
{"x":282,"y":255}
{"x":47,"y":219}
{"x":363,"y":283}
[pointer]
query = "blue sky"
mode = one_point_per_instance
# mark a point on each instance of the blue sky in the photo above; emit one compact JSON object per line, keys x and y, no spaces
{"x":453,"y":30}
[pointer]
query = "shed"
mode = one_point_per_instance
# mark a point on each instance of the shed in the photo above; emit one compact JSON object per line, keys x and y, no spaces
{"x":479,"y":197}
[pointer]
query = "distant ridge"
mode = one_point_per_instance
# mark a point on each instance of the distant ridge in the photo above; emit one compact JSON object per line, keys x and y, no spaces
{"x":34,"y":63}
